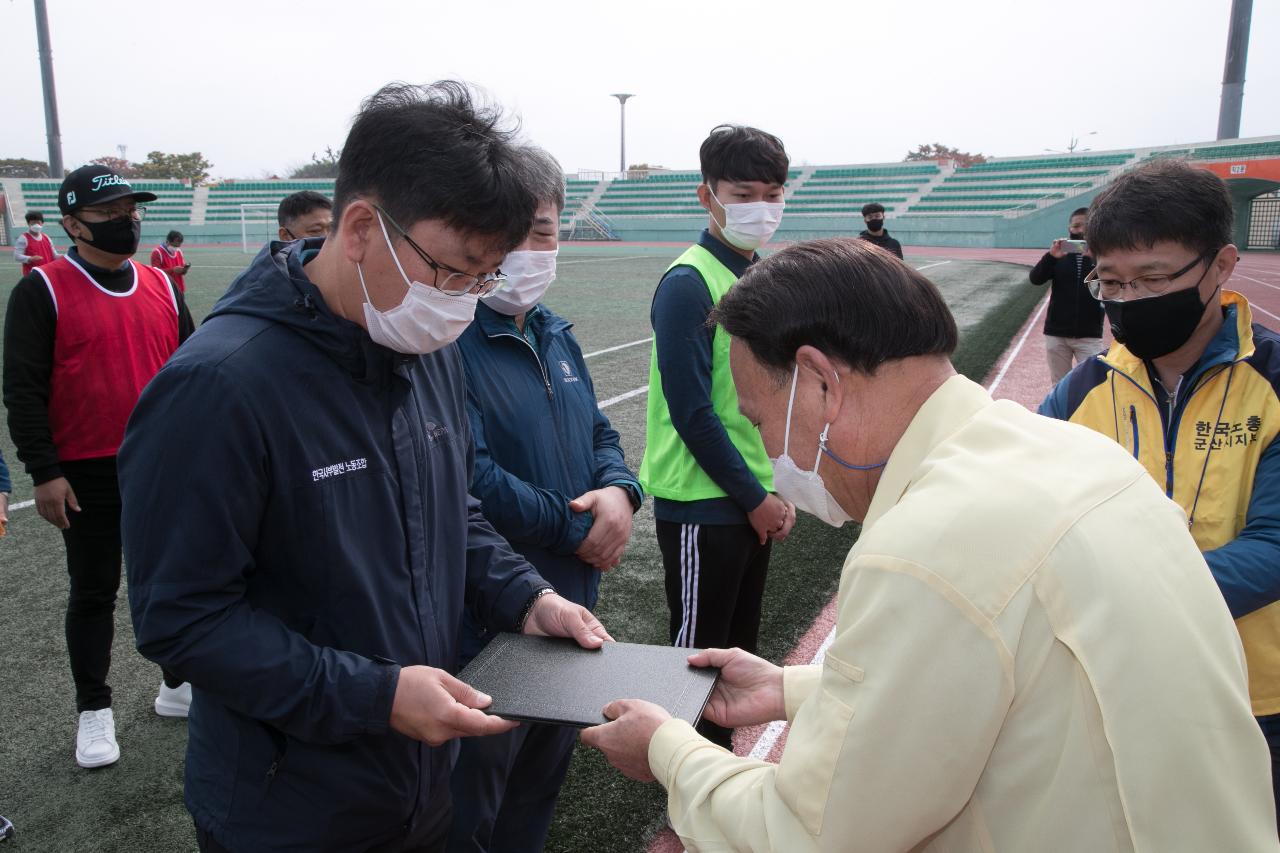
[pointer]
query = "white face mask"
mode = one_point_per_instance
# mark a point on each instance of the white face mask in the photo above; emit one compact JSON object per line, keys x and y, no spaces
{"x":806,"y":489}
{"x":749,"y":225}
{"x":529,"y":274}
{"x":426,"y":320}
{"x":37,"y":228}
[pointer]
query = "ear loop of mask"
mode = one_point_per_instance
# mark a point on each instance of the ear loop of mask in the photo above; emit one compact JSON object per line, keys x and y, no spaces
{"x":391,"y":249}
{"x":822,"y":448}
{"x":726,"y":225}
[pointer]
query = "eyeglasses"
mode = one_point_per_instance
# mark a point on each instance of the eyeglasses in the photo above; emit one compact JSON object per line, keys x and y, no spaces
{"x":457,"y":282}
{"x":119,"y":212}
{"x":1142,"y":287}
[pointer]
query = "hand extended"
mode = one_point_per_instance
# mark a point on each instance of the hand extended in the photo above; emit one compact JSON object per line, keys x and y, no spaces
{"x":610,"y":509}
{"x":52,"y":500}
{"x":1057,"y":248}
{"x":4,"y":509}
{"x":625,"y":740}
{"x":773,"y":519}
{"x":748,"y":692}
{"x":553,"y":616}
{"x":431,"y":705}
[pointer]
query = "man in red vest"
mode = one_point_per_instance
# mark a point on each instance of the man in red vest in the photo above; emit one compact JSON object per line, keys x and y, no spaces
{"x":83,"y":335}
{"x":33,"y":248}
{"x":168,"y":258}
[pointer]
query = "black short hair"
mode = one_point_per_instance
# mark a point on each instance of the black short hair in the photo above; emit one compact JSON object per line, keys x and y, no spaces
{"x":300,"y":204}
{"x":173,"y":235}
{"x":733,"y":152}
{"x":1165,"y":200}
{"x":852,"y":300}
{"x":872,"y":207}
{"x":34,"y":216}
{"x":1079,"y":211}
{"x":436,"y":152}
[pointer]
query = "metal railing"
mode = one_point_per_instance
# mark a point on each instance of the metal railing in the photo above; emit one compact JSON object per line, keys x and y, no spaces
{"x":588,"y":223}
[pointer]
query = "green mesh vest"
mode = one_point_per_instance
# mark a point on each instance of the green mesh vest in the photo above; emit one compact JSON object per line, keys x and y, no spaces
{"x":669,"y":470}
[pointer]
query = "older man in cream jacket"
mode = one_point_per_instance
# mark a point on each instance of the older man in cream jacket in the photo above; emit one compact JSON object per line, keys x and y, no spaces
{"x":1030,"y":652}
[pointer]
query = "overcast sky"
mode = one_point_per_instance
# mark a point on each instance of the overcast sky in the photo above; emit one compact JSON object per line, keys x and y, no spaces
{"x":258,"y":86}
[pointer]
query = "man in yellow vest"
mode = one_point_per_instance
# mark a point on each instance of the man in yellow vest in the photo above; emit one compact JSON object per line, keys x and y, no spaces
{"x":1190,"y":389}
{"x":704,"y":462}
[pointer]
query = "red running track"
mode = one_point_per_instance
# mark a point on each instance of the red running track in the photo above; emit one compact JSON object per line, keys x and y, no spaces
{"x":1022,"y":375}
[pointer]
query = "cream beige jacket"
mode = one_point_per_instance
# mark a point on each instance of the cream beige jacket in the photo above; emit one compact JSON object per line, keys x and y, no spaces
{"x":1030,"y":655}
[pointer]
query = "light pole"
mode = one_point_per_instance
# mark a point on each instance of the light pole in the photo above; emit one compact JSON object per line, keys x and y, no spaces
{"x":1073,"y":145}
{"x":1233,"y":74}
{"x":622,"y":134}
{"x":52,"y":131}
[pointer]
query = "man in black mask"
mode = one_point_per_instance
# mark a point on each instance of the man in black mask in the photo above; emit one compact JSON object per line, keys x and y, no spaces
{"x":83,"y":335}
{"x":876,"y":233}
{"x":1073,"y":324}
{"x":1190,"y":389}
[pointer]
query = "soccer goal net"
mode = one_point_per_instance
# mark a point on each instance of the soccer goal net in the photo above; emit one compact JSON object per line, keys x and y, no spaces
{"x":257,"y":225}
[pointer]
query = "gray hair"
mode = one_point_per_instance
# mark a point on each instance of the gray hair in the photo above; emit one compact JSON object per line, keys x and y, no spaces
{"x":543,"y":176}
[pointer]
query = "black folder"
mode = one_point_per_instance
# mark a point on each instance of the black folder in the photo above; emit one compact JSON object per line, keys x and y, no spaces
{"x":554,"y":680}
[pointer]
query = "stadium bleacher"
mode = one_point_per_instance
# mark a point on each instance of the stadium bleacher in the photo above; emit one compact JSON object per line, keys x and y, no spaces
{"x":1001,"y":188}
{"x":1017,"y":183}
{"x":173,"y":203}
{"x":225,"y":198}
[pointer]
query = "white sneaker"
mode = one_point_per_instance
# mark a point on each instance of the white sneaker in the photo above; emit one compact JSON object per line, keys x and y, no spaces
{"x":174,"y":701}
{"x":96,"y":739}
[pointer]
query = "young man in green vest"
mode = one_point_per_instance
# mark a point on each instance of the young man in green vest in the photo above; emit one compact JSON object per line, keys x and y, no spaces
{"x":704,"y":462}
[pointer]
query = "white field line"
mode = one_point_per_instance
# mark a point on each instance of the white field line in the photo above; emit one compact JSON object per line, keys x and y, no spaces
{"x":1260,"y":310}
{"x":22,"y":505}
{"x":618,"y":347}
{"x":1258,"y":281}
{"x":1004,"y":368}
{"x":602,"y":260}
{"x":760,"y":751}
{"x":1259,"y":270}
{"x":627,"y":396}
{"x":931,"y":266}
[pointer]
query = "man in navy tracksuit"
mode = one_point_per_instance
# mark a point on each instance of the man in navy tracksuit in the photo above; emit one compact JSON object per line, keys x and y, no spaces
{"x":551,"y":477}
{"x":309,"y":570}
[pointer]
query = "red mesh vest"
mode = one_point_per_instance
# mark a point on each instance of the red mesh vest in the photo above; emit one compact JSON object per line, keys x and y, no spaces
{"x":106,"y":348}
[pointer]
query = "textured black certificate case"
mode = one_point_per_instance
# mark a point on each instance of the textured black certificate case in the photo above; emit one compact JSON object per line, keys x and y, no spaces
{"x":553,"y":680}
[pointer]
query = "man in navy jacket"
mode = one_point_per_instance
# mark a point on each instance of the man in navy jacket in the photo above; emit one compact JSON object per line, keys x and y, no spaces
{"x":551,"y":477}
{"x":308,"y":571}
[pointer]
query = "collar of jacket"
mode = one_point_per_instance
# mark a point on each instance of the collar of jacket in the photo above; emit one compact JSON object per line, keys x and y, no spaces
{"x":1233,"y":342}
{"x":540,"y":318}
{"x":344,"y":341}
{"x":948,"y":409}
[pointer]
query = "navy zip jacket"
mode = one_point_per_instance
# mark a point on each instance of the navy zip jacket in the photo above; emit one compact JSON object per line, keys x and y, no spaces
{"x":321,"y":536}
{"x":541,"y":441}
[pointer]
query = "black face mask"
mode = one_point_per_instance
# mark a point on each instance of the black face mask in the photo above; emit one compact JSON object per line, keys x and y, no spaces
{"x":1158,"y":325}
{"x":875,"y":224}
{"x":1076,"y":235}
{"x":116,"y":236}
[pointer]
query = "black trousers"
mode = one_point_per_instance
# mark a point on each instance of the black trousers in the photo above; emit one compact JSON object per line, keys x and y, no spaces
{"x":93,"y":563}
{"x":1271,"y":730}
{"x":435,"y":844}
{"x":715,"y":582}
{"x":505,"y":788}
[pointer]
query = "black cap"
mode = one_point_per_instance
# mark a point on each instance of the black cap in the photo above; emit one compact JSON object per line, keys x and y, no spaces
{"x":94,"y":184}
